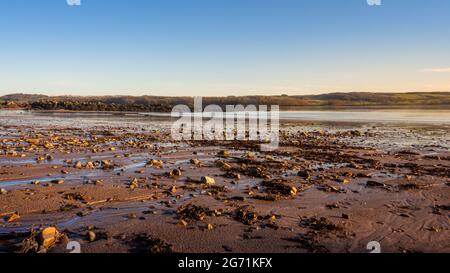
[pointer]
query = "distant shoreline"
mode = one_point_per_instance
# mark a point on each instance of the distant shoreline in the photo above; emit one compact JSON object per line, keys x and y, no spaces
{"x":283,"y":108}
{"x":333,"y":101}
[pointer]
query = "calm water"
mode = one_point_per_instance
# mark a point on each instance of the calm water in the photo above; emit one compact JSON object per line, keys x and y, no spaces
{"x":419,"y":116}
{"x":391,"y":115}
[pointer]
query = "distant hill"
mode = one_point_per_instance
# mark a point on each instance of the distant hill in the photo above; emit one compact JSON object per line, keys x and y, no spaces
{"x":165,"y":104}
{"x":364,"y":98}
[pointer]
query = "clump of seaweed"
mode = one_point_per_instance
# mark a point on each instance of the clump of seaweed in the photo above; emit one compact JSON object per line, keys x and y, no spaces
{"x":192,"y":213}
{"x":75,"y":196}
{"x":310,"y":242}
{"x":278,"y":187}
{"x":246,"y":217}
{"x":321,"y":224}
{"x":150,"y":244}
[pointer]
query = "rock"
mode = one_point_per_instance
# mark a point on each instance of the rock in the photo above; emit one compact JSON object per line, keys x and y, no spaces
{"x":210,"y":227}
{"x":343,"y":180}
{"x":354,"y":165}
{"x":58,"y":182}
{"x":34,"y":141}
{"x":294,"y":191}
{"x":134,"y":184}
{"x":304,"y":174}
{"x":99,"y":182}
{"x":78,"y":165}
{"x":14,"y":217}
{"x":375,"y":184}
{"x":233,"y":175}
{"x":173,"y":189}
{"x":91,"y":236}
{"x":48,"y":237}
{"x":106,"y":163}
{"x":223,"y":165}
{"x":90,"y":165}
{"x":246,"y":217}
{"x":3,"y":191}
{"x":224,"y":153}
{"x":175,"y":172}
{"x":195,"y":161}
{"x":155,"y":163}
{"x":208,"y":180}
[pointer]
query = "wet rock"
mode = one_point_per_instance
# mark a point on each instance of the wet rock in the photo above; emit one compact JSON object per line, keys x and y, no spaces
{"x":354,"y":165}
{"x":223,"y":165}
{"x":91,"y":236}
{"x":410,"y":186}
{"x":106,"y":164}
{"x":48,"y":237}
{"x":343,"y":181}
{"x":13,"y":217}
{"x":175,"y":172}
{"x":40,"y":158}
{"x":78,"y":165}
{"x":3,"y":191}
{"x":132,"y":216}
{"x":99,"y":182}
{"x":330,"y":188}
{"x":207,"y":180}
{"x":155,"y":163}
{"x":195,"y":161}
{"x":33,"y":141}
{"x":58,"y":182}
{"x":375,"y":184}
{"x":233,"y":175}
{"x":332,"y":206}
{"x":304,"y":174}
{"x":224,"y":153}
{"x":134,"y":184}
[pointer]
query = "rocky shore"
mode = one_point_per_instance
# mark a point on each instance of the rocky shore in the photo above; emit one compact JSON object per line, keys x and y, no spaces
{"x":328,"y":188}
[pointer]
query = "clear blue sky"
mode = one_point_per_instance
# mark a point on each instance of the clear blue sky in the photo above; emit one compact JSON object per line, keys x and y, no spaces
{"x":223,"y":47}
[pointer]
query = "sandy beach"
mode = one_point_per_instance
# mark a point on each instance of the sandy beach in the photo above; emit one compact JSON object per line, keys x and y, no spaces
{"x":122,"y":185}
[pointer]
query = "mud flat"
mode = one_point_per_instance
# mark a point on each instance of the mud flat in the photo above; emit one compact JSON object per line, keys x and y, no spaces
{"x":116,"y":186}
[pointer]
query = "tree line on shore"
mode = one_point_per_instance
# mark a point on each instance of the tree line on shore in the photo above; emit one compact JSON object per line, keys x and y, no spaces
{"x":165,"y":104}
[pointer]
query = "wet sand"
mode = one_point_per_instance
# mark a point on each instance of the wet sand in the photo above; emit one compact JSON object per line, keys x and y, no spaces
{"x":331,"y":187}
